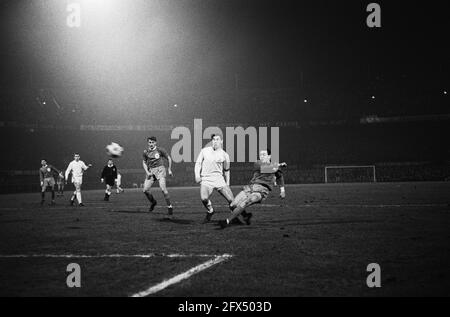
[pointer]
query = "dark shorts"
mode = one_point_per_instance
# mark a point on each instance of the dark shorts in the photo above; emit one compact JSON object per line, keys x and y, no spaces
{"x":110,"y":181}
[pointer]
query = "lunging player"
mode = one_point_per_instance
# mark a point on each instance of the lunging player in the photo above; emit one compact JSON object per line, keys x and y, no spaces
{"x":264,"y":175}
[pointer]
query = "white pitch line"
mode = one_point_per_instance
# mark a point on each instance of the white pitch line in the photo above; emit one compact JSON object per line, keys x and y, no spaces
{"x":150,"y":255}
{"x":178,"y":278}
{"x":373,"y":205}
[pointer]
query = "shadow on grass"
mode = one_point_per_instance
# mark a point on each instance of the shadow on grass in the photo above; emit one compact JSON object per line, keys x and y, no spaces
{"x":132,"y":211}
{"x":176,"y":221}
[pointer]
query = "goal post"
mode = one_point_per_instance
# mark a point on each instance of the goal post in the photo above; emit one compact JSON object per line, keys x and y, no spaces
{"x":350,"y":173}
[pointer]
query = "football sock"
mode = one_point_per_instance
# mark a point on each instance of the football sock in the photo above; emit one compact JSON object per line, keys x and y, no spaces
{"x":149,"y":197}
{"x":208,"y":205}
{"x":53,"y":195}
{"x":43,"y":195}
{"x":236,"y":212}
{"x":167,"y":198}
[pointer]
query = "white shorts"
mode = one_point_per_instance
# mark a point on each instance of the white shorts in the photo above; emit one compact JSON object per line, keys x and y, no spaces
{"x":214,"y":182}
{"x":78,"y":180}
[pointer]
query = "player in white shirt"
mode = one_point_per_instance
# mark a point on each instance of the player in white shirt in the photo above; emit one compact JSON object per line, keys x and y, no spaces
{"x":118,"y":183}
{"x":77,"y":168}
{"x":212,"y":171}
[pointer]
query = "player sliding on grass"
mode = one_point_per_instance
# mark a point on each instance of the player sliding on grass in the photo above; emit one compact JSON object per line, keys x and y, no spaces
{"x":264,"y":175}
{"x":155,"y":170}
{"x":211,"y":166}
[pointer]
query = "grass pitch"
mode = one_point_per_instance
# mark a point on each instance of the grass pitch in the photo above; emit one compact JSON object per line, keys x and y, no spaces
{"x":316,"y":242}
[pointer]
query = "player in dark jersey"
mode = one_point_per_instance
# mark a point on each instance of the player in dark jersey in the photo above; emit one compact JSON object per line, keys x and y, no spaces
{"x":265,"y":173}
{"x":155,"y":170}
{"x":46,"y":175}
{"x":109,"y":176}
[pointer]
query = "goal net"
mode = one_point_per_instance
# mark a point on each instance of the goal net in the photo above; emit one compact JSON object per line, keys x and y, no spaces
{"x":350,"y":174}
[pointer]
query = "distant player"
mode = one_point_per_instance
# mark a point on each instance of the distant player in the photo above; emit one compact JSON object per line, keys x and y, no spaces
{"x":212,"y":171}
{"x":77,"y":168}
{"x":109,"y":177}
{"x":118,"y":183}
{"x":156,"y":171}
{"x":265,"y":174}
{"x":46,"y":175}
{"x":60,"y":184}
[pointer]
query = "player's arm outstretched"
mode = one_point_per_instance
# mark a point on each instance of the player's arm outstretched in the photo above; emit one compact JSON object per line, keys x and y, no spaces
{"x":60,"y":173}
{"x":55,"y":169}
{"x":198,"y":167}
{"x":68,"y":170}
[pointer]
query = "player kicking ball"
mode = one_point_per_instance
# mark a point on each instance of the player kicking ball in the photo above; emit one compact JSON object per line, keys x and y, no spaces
{"x":46,"y":174}
{"x":212,"y":164}
{"x":264,"y":175}
{"x":156,"y":171}
{"x":77,"y":168}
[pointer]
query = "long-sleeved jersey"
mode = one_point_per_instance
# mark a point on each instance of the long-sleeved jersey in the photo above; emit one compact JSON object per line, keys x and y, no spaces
{"x":109,"y":173}
{"x":47,"y":171}
{"x":266,"y":174}
{"x":77,"y":168}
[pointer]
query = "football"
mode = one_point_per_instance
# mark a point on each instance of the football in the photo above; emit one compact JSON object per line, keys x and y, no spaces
{"x":114,"y":150}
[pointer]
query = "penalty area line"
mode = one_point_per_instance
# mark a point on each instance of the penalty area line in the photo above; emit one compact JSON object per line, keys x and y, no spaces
{"x":185,"y":275}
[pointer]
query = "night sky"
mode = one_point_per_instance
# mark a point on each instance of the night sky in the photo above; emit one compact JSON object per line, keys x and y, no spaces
{"x":128,"y":48}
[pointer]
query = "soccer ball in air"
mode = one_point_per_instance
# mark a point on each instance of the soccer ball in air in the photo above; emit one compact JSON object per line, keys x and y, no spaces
{"x":114,"y":150}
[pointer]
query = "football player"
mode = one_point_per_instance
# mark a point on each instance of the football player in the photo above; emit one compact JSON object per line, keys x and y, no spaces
{"x":46,"y":174}
{"x":109,"y":177}
{"x":77,"y":168}
{"x":156,"y":171}
{"x":212,"y":171}
{"x":265,"y":173}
